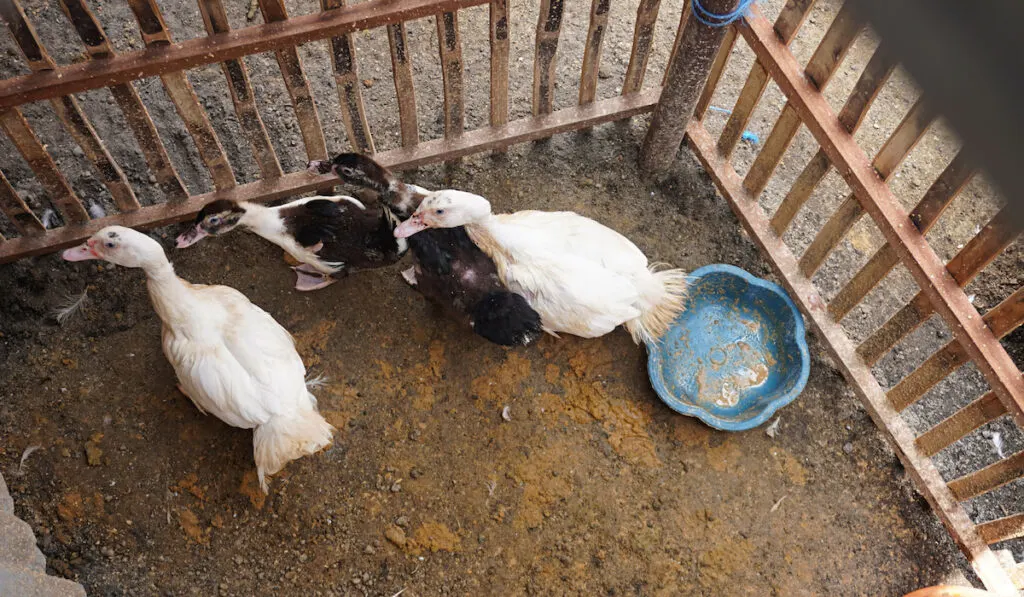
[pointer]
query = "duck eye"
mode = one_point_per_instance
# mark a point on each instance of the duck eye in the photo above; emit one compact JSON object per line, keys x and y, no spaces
{"x":439,"y":211}
{"x":109,"y":245}
{"x":214,"y":220}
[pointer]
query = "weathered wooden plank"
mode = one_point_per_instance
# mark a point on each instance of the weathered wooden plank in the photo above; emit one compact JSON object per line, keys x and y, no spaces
{"x":968,"y":263}
{"x":592,"y":50}
{"x":920,"y":468}
{"x":717,"y":68}
{"x":917,"y":256}
{"x":135,"y":113}
{"x":1002,"y":529}
{"x":888,"y":158}
{"x":17,"y":211}
{"x":450,"y":47}
{"x":295,"y":81}
{"x":499,"y":62}
{"x":160,"y":59}
{"x":875,"y":74}
{"x":430,"y":152}
{"x":350,"y":95}
{"x":984,"y":410}
{"x":401,"y":65}
{"x":991,"y":477}
{"x":942,"y":192}
{"x":31,"y":148}
{"x":549,"y":26}
{"x":823,"y":63}
{"x":216,"y":20}
{"x":643,"y":40}
{"x":68,"y":111}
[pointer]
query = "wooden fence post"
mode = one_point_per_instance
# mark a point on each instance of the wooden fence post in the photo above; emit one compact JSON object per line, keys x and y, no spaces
{"x":687,"y":75}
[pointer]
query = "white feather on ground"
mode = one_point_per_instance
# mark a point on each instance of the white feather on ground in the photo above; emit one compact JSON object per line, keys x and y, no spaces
{"x":319,"y":381}
{"x":24,"y":456}
{"x":50,"y":219}
{"x":72,"y":304}
{"x":96,"y":211}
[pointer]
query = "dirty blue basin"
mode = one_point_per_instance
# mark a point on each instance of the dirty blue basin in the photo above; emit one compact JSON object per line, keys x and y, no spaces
{"x":737,"y":354}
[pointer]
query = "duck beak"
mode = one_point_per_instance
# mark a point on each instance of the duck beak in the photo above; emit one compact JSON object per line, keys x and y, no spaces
{"x":82,"y":252}
{"x":191,"y":237}
{"x":411,"y":226}
{"x":319,"y":167}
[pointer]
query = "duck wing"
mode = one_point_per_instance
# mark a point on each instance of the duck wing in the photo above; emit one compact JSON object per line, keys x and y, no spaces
{"x":349,"y":232}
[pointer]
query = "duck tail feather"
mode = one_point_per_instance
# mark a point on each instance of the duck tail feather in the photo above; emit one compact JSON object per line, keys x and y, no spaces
{"x":285,"y":438}
{"x":663,"y":298}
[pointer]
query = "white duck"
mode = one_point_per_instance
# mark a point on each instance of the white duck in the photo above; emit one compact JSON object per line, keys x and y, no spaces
{"x":581,"y":276}
{"x":232,"y":359}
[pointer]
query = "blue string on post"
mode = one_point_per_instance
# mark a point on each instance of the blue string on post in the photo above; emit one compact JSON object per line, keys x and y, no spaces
{"x":716,"y":20}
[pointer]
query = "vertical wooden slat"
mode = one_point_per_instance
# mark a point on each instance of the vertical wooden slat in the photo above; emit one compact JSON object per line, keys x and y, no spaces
{"x":942,"y":192}
{"x":17,"y":211}
{"x":499,"y":62}
{"x":179,"y":90}
{"x":902,"y":141}
{"x":717,"y":68}
{"x":135,"y":113}
{"x":822,"y":65}
{"x":984,"y":410}
{"x":643,"y":39}
{"x":549,"y":26}
{"x":68,"y":110}
{"x":592,"y":50}
{"x":451,"y":73}
{"x":216,"y":21}
{"x":995,"y":236}
{"x":350,"y":95}
{"x":401,"y":64}
{"x":298,"y":88}
{"x":60,"y":192}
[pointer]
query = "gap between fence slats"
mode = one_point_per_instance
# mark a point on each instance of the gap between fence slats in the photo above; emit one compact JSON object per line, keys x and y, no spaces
{"x":888,"y":158}
{"x":499,"y":62}
{"x":942,"y":192}
{"x":128,"y":100}
{"x":968,"y":263}
{"x":991,"y":477}
{"x":643,"y":39}
{"x":592,"y":50}
{"x":984,"y":410}
{"x":450,"y":46}
{"x":60,"y":193}
{"x":17,"y":211}
{"x":401,"y":66}
{"x":350,"y":95}
{"x":927,"y":479}
{"x":249,"y":119}
{"x":549,"y":26}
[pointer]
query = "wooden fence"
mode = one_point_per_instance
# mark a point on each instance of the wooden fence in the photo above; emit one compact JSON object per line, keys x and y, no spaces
{"x":940,"y":284}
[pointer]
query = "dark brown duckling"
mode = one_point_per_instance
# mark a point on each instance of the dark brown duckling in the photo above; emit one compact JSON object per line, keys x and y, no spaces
{"x":331,"y":237}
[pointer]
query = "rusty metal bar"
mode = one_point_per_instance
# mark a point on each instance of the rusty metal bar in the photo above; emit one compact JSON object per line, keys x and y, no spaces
{"x":549,"y":26}
{"x":592,"y":50}
{"x":643,"y":40}
{"x":405,"y":90}
{"x":984,"y":410}
{"x":350,"y":95}
{"x":450,"y":47}
{"x":165,"y":58}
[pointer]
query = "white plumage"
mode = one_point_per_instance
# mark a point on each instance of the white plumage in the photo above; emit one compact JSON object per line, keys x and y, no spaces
{"x":232,"y":359}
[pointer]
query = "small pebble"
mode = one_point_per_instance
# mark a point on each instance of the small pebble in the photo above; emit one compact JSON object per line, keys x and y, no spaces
{"x":369,"y":550}
{"x":396,"y":487}
{"x":402,"y":521}
{"x":152,"y":179}
{"x":848,"y":448}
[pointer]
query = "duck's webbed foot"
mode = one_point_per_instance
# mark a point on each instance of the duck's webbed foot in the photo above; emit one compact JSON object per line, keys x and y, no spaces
{"x":307,"y":281}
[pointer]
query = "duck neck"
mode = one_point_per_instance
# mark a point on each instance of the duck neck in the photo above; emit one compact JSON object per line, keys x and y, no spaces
{"x":169,"y":293}
{"x":260,"y":219}
{"x":482,"y":234}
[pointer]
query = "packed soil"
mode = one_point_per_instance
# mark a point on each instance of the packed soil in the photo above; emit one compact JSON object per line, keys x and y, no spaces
{"x":591,"y":486}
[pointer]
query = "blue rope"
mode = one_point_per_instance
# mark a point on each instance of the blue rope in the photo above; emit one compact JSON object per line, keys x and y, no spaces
{"x":716,"y":20}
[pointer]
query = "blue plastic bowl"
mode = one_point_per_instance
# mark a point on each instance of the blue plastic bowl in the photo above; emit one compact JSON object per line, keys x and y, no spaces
{"x":737,"y":354}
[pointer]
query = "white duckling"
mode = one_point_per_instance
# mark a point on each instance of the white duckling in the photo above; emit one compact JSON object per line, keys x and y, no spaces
{"x":581,"y":276}
{"x":232,"y":359}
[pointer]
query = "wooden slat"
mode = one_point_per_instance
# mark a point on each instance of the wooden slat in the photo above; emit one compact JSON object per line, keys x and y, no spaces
{"x":991,"y":477}
{"x":875,"y":74}
{"x":888,"y":158}
{"x":920,"y":468}
{"x":717,"y":68}
{"x":1002,"y":529}
{"x":592,"y":51}
{"x":829,"y":54}
{"x":401,"y":64}
{"x":135,"y":113}
{"x":216,"y":20}
{"x":984,"y":410}
{"x":350,"y":95}
{"x":31,"y":148}
{"x":968,"y":263}
{"x":549,"y":26}
{"x":942,"y":192}
{"x":68,"y":111}
{"x":298,"y":87}
{"x":785,"y":27}
{"x":17,"y":211}
{"x":450,"y":47}
{"x":430,"y":152}
{"x":499,"y":62}
{"x":179,"y":90}
{"x":917,"y":256}
{"x":200,"y":51}
{"x":643,"y":39}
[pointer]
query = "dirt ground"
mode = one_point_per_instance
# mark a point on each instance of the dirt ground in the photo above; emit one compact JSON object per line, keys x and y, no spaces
{"x":594,"y":486}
